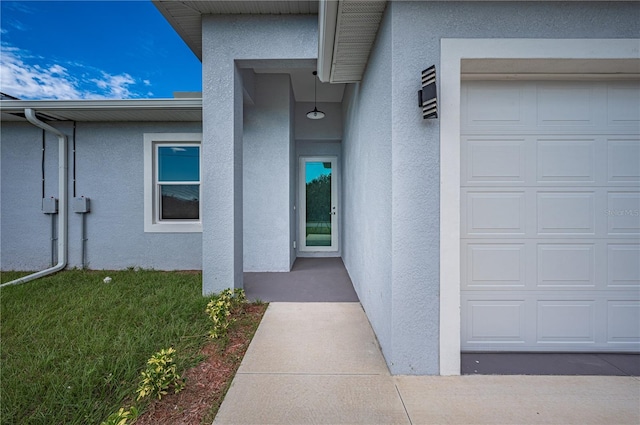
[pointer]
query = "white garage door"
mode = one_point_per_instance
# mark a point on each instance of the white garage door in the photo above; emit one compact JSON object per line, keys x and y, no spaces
{"x":550,"y":216}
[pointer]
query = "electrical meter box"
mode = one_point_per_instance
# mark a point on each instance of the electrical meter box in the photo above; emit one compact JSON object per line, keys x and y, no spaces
{"x":50,"y":205}
{"x":81,"y":205}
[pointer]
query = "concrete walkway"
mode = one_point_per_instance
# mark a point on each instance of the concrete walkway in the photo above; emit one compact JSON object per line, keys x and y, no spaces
{"x":319,"y":363}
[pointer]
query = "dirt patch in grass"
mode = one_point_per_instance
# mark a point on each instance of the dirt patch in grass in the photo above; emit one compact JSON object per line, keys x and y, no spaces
{"x":207,"y":383}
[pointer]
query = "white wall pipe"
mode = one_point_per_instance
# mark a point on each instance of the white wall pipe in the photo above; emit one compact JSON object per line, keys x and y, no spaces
{"x":62,"y":201}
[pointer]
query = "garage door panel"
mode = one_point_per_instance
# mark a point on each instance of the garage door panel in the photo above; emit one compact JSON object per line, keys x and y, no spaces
{"x":494,"y":161}
{"x":495,"y":105}
{"x":566,"y":160}
{"x":623,"y":213}
{"x":550,"y":216}
{"x":494,"y":266}
{"x":563,"y":321}
{"x":623,"y":104}
{"x":566,"y":213}
{"x":566,"y":321}
{"x":495,"y":321}
{"x":623,"y":265}
{"x":566,"y":266}
{"x":623,"y":165}
{"x":494,"y":212}
{"x":623,"y":321}
{"x":565,"y":104}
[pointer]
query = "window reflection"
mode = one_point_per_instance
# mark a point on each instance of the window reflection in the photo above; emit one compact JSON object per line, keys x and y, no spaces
{"x":318,"y":203}
{"x":178,"y":182}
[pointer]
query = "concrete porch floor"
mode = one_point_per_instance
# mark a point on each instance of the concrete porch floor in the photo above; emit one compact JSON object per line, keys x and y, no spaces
{"x":310,"y":280}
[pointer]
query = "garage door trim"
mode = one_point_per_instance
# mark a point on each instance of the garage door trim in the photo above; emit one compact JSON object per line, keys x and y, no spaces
{"x":453,"y":51}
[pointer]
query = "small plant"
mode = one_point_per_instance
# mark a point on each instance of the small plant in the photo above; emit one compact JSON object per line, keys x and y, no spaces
{"x":159,"y":375}
{"x":219,"y":309}
{"x":122,"y":417}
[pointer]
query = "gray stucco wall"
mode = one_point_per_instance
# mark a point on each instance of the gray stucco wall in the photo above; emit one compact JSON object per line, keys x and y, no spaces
{"x":267,"y":179}
{"x":109,"y":158}
{"x":403,"y":306}
{"x":367,"y":187}
{"x":228,"y":41}
{"x":328,"y":128}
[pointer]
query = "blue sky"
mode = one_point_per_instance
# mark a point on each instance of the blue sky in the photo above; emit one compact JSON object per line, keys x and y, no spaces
{"x":92,"y":50}
{"x":315,"y":170}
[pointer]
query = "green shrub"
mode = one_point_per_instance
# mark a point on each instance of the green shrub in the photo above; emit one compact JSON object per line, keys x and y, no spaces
{"x":219,"y":309}
{"x":159,"y":375}
{"x":122,"y":417}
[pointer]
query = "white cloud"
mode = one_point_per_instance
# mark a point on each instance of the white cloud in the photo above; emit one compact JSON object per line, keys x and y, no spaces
{"x":57,"y":70}
{"x":146,"y":82}
{"x":24,"y":81}
{"x":21,"y":77}
{"x":115,"y":86}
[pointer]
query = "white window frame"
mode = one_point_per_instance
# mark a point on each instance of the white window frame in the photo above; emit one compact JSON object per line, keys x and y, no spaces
{"x":152,"y":223}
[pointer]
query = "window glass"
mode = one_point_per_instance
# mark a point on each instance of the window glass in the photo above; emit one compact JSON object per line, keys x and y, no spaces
{"x":180,"y":202}
{"x":178,"y":163}
{"x":178,"y":184}
{"x":318,"y":203}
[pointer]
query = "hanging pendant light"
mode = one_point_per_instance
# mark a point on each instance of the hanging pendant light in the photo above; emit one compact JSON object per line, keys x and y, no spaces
{"x":315,"y":114}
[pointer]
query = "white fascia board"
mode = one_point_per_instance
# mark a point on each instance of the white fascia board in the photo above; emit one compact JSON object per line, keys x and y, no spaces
{"x":97,"y":105}
{"x":327,"y":18}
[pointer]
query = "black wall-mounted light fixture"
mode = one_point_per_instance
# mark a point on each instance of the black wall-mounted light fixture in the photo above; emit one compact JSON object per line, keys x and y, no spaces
{"x":315,"y":114}
{"x":428,"y":96}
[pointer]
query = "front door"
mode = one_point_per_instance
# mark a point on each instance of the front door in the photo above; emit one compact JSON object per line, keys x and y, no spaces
{"x":318,"y":212}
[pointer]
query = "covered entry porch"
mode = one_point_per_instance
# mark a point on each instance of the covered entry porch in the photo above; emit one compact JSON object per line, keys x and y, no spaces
{"x":310,"y":280}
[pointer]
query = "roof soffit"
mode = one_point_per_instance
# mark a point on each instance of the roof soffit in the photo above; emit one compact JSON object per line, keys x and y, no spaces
{"x":356,"y":28}
{"x":346,"y":39}
{"x":186,"y":16}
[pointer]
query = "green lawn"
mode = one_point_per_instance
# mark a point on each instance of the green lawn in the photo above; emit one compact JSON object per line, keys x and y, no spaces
{"x":72,"y":347}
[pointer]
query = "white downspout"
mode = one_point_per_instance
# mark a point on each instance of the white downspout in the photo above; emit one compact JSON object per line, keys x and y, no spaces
{"x":62,"y":201}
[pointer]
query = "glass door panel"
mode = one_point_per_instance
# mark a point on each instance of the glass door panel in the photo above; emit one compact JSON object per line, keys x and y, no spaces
{"x":319,"y":207}
{"x":318,"y":203}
